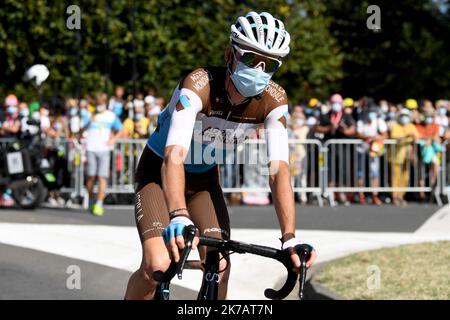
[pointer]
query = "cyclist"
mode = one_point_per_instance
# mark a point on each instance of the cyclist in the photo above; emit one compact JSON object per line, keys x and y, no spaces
{"x":210,"y":110}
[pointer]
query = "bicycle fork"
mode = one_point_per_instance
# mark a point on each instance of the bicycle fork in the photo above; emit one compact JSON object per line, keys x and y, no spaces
{"x":210,"y":283}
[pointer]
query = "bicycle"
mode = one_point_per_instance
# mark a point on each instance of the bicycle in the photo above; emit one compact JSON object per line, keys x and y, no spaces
{"x":209,"y":287}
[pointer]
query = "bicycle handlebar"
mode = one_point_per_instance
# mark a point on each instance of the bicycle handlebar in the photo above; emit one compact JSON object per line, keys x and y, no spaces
{"x":283,"y":256}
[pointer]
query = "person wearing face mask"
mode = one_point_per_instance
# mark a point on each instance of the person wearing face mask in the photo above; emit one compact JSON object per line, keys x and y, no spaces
{"x":430,"y":147}
{"x":9,"y":127}
{"x":406,"y":134}
{"x":137,"y":127}
{"x":116,"y":103}
{"x":442,"y":117}
{"x":212,"y":110}
{"x":44,"y":119}
{"x":74,"y":117}
{"x":337,"y":124}
{"x":372,"y":130}
{"x":413,"y":107}
{"x":11,"y":124}
{"x":103,"y":128}
{"x":391,"y":116}
{"x":26,"y":130}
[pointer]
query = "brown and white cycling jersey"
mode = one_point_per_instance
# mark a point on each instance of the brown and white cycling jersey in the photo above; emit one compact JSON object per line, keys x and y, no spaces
{"x":200,"y":117}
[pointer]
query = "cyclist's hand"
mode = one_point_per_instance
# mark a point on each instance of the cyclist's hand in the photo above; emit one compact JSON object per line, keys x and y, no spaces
{"x":173,"y":236}
{"x":290,"y":244}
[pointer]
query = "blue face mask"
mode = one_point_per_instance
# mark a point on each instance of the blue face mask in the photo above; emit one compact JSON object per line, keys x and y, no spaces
{"x":404,"y":120}
{"x":372,"y":116}
{"x":73,"y":112}
{"x":308,"y":111}
{"x":336,"y":107}
{"x":24,"y":112}
{"x":138,"y":116}
{"x":442,"y":111}
{"x":391,"y":115}
{"x":428,"y":120}
{"x":249,"y":81}
{"x":11,"y":110}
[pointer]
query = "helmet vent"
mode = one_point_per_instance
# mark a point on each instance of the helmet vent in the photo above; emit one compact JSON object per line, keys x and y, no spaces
{"x":277,"y":33}
{"x":253,"y":24}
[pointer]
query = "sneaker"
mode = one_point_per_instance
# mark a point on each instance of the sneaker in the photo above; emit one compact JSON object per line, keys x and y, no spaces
{"x":97,"y":210}
{"x":60,"y":201}
{"x":52,"y":202}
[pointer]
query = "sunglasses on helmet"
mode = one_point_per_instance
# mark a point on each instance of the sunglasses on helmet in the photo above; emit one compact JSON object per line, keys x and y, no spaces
{"x":254,"y":60}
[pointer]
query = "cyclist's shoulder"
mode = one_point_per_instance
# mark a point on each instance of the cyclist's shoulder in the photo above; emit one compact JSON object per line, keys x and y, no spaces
{"x":273,"y":96}
{"x":200,"y":79}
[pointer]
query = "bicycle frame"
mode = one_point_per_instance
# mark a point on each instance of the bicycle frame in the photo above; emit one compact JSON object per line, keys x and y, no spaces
{"x":209,"y":288}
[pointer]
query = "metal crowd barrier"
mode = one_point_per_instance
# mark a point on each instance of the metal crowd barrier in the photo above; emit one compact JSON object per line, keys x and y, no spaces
{"x":318,"y":169}
{"x":240,"y":174}
{"x":399,"y":169}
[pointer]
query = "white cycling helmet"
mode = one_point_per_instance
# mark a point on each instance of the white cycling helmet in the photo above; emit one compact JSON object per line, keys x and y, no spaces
{"x":261,"y":32}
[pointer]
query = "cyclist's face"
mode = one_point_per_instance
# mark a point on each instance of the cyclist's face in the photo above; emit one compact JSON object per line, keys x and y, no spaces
{"x":234,"y":96}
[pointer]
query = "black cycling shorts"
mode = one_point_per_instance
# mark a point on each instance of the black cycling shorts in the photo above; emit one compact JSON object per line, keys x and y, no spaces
{"x":204,"y":199}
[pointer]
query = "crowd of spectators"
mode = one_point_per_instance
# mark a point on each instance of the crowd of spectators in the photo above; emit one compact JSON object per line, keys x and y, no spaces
{"x":336,"y":118}
{"x":137,"y":114}
{"x":423,"y":122}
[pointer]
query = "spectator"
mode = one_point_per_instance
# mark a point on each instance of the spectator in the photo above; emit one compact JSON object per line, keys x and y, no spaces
{"x":74,"y":118}
{"x":391,"y":117}
{"x":102,"y":130}
{"x":116,"y":102}
{"x":405,"y":133}
{"x":59,"y":127}
{"x":430,"y":147}
{"x":11,"y":124}
{"x":312,"y":113}
{"x":337,"y":124}
{"x":150,"y":98}
{"x":44,"y":118}
{"x":137,"y":127}
{"x":384,"y":109}
{"x":10,"y":127}
{"x":372,"y":130}
{"x":427,"y":106}
{"x":413,"y":107}
{"x":442,"y":118}
{"x":26,"y":130}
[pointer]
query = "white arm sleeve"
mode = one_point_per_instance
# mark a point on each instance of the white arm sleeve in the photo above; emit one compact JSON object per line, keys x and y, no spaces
{"x":183,"y":118}
{"x":276,"y":134}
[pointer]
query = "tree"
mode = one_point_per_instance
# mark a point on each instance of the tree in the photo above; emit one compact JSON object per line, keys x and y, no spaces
{"x":171,"y":38}
{"x":408,"y":58}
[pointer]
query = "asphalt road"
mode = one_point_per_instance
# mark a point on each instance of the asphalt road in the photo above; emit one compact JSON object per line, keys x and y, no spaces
{"x":386,"y":218}
{"x":31,"y":274}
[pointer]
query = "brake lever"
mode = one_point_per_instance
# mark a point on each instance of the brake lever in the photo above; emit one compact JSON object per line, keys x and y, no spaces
{"x":188,"y":234}
{"x":304,"y":252}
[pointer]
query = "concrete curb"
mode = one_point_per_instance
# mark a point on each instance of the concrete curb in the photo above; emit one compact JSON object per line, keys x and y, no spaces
{"x":317,"y":291}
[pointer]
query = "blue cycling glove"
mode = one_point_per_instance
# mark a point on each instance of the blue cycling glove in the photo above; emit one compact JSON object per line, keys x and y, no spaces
{"x":176,"y":227}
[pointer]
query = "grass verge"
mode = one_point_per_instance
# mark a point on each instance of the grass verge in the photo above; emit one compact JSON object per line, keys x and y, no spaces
{"x":413,"y":271}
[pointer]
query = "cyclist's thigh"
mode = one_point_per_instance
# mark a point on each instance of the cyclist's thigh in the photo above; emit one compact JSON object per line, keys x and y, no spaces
{"x":151,"y":211}
{"x":209,"y":212}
